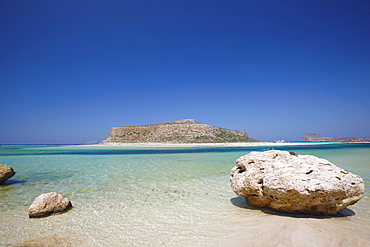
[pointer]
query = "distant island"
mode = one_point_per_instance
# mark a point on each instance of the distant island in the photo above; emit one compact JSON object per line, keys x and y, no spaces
{"x":181,"y":131}
{"x":313,"y":137}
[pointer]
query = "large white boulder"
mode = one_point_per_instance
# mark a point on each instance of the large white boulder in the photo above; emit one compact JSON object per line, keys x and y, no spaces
{"x":293,"y":183}
{"x":47,"y":204}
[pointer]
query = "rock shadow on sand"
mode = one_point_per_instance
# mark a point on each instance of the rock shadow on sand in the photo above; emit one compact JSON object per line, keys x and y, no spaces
{"x":12,"y":181}
{"x":241,"y":203}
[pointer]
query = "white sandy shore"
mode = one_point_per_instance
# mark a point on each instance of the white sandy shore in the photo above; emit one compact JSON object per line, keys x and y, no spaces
{"x":279,"y":231}
{"x":230,"y":144}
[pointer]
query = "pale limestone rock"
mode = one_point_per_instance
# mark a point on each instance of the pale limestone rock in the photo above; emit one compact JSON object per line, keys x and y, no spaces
{"x":47,"y":204}
{"x":293,"y":183}
{"x":6,"y":172}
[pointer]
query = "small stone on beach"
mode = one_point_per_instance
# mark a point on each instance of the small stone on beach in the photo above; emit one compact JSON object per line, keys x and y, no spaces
{"x":47,"y":204}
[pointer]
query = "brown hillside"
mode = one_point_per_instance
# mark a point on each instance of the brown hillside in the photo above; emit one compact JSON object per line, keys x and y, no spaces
{"x":181,"y":131}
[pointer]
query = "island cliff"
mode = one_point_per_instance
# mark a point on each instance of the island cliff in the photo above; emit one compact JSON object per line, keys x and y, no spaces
{"x":313,"y":137}
{"x":181,"y":131}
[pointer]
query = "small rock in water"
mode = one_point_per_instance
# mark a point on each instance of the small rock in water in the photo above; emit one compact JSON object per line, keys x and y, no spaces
{"x":6,"y":172}
{"x":47,"y":204}
{"x":293,"y":183}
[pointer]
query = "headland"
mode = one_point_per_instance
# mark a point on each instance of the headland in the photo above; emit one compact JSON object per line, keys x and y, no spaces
{"x":313,"y":137}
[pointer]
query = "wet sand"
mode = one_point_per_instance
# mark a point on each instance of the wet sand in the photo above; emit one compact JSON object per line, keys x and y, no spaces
{"x":281,"y":231}
{"x":276,"y":230}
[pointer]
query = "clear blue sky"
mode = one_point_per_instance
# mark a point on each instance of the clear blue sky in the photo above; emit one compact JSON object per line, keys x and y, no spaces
{"x":71,"y":70}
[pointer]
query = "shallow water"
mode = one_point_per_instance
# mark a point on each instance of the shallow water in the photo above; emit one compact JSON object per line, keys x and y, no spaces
{"x":126,"y":196}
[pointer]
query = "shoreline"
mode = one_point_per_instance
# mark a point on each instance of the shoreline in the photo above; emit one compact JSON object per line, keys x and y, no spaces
{"x":229,"y":144}
{"x":151,"y":194}
{"x":160,"y":144}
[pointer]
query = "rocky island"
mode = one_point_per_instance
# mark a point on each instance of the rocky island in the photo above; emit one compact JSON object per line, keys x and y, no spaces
{"x":181,"y":131}
{"x":313,"y":137}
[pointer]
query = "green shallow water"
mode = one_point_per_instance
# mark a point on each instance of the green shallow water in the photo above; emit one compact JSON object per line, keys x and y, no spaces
{"x":148,"y":196}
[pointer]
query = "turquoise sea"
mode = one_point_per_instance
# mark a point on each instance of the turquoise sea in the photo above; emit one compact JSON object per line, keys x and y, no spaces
{"x":162,"y":196}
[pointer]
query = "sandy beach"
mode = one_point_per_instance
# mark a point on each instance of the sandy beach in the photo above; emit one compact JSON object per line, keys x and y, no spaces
{"x":282,"y":231}
{"x":276,"y":231}
{"x":229,"y":144}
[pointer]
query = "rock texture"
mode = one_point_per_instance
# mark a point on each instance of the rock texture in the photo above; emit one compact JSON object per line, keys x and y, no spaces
{"x":313,"y":137}
{"x":6,"y":172}
{"x":47,"y":204}
{"x":181,"y":131}
{"x":293,"y":183}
